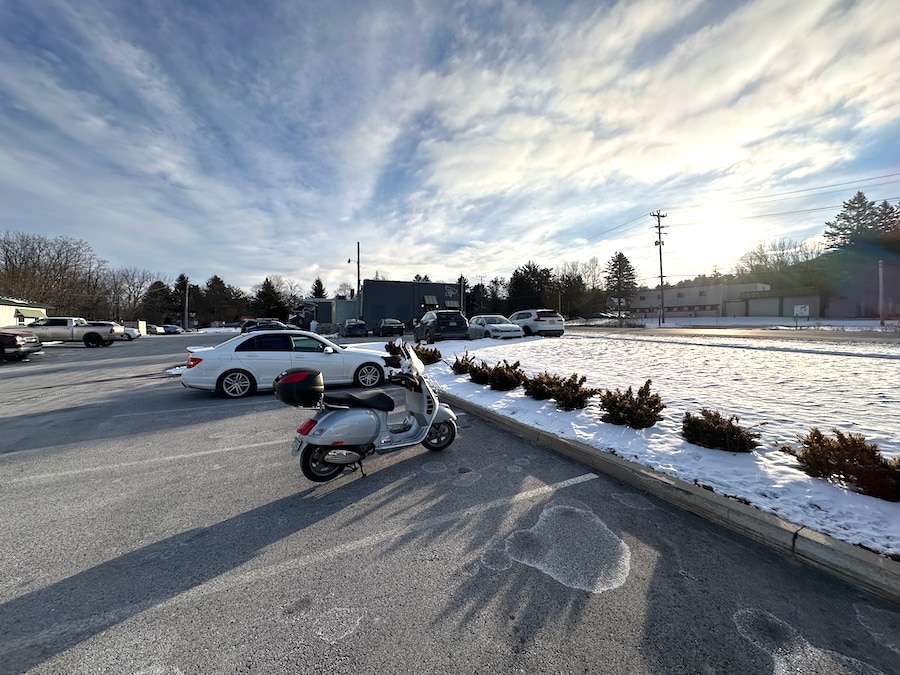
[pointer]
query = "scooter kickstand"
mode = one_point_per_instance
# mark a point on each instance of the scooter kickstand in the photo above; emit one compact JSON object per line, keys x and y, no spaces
{"x":362,"y":471}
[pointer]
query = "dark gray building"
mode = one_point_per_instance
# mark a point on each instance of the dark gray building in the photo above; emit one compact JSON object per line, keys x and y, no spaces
{"x":405,"y":300}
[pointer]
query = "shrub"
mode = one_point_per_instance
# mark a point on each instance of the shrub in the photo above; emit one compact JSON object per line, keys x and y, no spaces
{"x":571,"y":394}
{"x":849,"y":460}
{"x":505,"y":377}
{"x":461,"y":365}
{"x":637,"y":412}
{"x":480,"y":373}
{"x":428,"y":355}
{"x":712,"y":430}
{"x":542,"y":386}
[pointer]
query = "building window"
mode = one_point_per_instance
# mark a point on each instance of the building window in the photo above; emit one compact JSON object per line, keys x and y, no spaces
{"x":680,"y":295}
{"x":642,"y":297}
{"x":702,"y":293}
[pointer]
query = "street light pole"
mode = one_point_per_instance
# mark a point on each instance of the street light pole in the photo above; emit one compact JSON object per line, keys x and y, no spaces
{"x":349,"y":260}
{"x":187,"y":289}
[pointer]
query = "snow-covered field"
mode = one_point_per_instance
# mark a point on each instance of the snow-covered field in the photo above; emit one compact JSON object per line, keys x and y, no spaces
{"x":781,"y":388}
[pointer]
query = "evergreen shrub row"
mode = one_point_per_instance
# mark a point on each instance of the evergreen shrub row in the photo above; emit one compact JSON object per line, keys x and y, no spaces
{"x":845,"y":459}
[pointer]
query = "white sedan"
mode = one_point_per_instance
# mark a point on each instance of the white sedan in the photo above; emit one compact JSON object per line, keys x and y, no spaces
{"x":251,"y":361}
{"x":493,"y":326}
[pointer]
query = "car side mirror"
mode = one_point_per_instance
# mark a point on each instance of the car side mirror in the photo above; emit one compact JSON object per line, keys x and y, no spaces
{"x":328,"y":350}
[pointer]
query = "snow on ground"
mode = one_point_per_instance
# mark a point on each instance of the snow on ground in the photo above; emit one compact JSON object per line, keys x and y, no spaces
{"x":780,"y":387}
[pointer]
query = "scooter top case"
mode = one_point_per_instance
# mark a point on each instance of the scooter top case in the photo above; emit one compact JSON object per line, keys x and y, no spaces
{"x":300,"y":387}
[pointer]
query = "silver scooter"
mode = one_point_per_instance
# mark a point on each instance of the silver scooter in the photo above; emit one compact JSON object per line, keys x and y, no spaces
{"x":350,"y":426}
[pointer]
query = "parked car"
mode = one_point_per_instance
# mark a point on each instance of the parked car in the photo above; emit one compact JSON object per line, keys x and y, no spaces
{"x":442,"y":324}
{"x":153,"y":329}
{"x":250,"y":362}
{"x":170,"y":329}
{"x":391,"y":327}
{"x":120,"y":332}
{"x":354,"y":328}
{"x":270,"y":325}
{"x":539,"y":321}
{"x":252,"y":323}
{"x":493,"y":326}
{"x":74,"y":329}
{"x":16,"y":344}
{"x":131,"y":333}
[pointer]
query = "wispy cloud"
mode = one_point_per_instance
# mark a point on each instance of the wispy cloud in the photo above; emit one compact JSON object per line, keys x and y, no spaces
{"x":244,"y":141}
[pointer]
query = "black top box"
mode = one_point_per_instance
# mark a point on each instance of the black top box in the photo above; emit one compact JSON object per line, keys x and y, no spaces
{"x":300,"y":387}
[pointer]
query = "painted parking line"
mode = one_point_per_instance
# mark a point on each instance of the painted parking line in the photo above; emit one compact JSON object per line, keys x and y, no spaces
{"x":140,"y":462}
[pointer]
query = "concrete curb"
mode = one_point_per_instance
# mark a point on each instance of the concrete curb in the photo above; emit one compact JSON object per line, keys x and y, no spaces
{"x":869,"y":570}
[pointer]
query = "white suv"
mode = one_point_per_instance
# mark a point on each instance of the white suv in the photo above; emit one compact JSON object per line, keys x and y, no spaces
{"x":539,"y":321}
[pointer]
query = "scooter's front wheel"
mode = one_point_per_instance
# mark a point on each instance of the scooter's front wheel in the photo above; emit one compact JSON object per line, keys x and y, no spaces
{"x":314,"y":466}
{"x":440,"y":435}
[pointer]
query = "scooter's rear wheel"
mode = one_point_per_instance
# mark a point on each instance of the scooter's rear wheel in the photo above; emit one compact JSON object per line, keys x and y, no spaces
{"x":440,"y":435}
{"x":314,"y":466}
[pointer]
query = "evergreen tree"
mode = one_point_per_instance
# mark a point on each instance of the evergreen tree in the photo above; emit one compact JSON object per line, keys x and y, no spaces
{"x":267,"y":302}
{"x":477,"y":300}
{"x":497,"y":296}
{"x":527,"y":286}
{"x":857,"y":222}
{"x":419,"y":277}
{"x":570,"y":288}
{"x":318,"y":289}
{"x":620,"y":282}
{"x":158,"y":303}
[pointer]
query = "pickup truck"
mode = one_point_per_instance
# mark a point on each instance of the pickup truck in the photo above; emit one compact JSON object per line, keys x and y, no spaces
{"x":74,"y":329}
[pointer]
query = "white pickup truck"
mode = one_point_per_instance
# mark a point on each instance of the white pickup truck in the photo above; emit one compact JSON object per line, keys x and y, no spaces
{"x":74,"y":329}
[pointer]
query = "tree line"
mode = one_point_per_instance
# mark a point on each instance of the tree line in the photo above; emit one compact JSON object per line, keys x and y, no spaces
{"x":66,"y":274}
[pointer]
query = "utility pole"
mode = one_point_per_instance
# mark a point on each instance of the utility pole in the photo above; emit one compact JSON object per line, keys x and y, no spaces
{"x":187,"y":290}
{"x":659,"y":242}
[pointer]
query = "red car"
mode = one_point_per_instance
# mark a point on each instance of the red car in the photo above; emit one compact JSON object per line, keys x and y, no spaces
{"x":16,"y":344}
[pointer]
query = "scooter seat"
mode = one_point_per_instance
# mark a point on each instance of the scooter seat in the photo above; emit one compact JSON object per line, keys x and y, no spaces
{"x":377,"y":400}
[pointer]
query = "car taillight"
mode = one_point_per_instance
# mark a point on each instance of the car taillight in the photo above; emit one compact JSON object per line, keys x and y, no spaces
{"x":193,"y":361}
{"x":537,"y":318}
{"x":307,"y":427}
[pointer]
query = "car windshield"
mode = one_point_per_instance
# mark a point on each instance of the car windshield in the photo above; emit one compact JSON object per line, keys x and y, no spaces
{"x":495,"y":319}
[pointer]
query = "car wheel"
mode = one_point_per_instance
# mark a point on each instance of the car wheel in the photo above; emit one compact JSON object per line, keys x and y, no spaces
{"x":429,"y":338}
{"x":368,"y":375}
{"x":128,"y":337}
{"x":527,"y":330}
{"x":92,"y":340}
{"x":236,"y":384}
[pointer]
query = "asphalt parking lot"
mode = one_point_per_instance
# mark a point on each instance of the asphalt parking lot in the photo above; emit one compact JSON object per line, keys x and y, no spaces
{"x":147,"y":528}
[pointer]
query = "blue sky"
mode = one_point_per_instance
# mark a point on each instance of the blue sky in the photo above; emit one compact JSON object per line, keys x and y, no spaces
{"x":247,"y":139}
